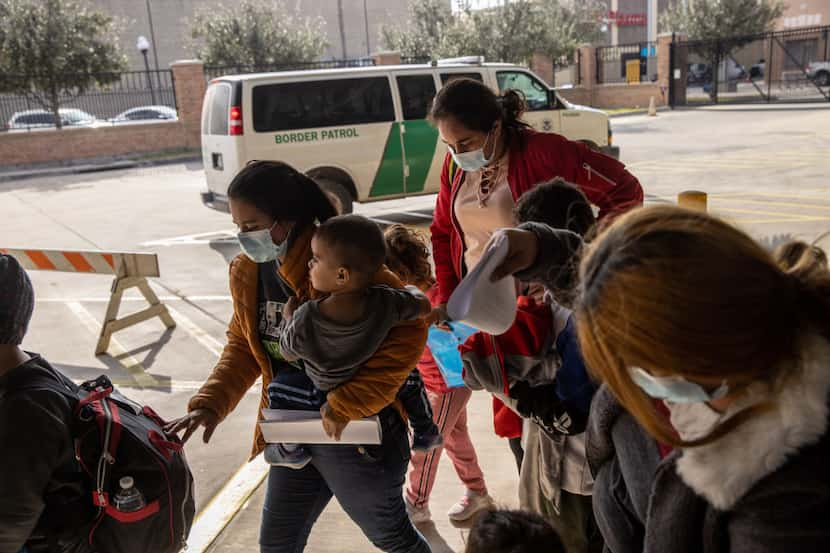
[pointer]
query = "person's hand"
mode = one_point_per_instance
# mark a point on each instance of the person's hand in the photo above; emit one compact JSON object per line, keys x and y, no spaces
{"x":192,"y":421}
{"x":438,"y":315}
{"x":331,"y":423}
{"x":290,"y":306}
{"x":523,"y":249}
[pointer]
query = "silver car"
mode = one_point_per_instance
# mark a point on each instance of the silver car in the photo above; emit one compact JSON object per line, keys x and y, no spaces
{"x":42,"y":119}
{"x":145,"y":114}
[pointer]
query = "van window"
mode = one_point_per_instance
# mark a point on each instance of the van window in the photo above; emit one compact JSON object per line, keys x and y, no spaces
{"x":446,"y":77}
{"x":219,"y":108}
{"x":417,"y":92}
{"x":310,"y":104}
{"x":536,"y":93}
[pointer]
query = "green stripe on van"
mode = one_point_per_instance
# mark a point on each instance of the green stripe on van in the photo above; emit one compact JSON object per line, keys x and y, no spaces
{"x":389,"y":178}
{"x":420,"y":141}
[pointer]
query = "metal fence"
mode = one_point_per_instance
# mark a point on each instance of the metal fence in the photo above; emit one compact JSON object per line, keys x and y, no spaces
{"x":787,"y":66}
{"x":611,"y":62}
{"x":98,"y":105}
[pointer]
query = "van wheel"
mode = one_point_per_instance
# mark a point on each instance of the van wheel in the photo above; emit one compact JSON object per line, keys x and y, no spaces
{"x":338,"y":195}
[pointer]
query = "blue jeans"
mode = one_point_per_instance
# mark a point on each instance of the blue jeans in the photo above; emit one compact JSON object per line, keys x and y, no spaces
{"x":367,"y":481}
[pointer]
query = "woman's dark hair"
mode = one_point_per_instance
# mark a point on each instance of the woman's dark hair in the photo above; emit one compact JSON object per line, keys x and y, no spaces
{"x":282,"y":192}
{"x":503,"y":531}
{"x":474,"y":105}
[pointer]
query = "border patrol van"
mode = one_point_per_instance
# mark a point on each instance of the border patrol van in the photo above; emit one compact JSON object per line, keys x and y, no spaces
{"x":362,"y":133}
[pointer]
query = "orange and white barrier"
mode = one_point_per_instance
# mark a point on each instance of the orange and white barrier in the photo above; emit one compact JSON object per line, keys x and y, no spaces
{"x":130,"y":269}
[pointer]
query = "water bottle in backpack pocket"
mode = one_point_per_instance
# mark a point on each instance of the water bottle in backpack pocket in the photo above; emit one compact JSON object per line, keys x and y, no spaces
{"x":138,"y":485}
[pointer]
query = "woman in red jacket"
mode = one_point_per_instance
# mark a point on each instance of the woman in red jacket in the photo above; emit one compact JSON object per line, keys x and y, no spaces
{"x":494,"y":157}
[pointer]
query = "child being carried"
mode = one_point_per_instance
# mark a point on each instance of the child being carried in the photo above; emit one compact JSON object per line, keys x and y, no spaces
{"x":334,"y":336}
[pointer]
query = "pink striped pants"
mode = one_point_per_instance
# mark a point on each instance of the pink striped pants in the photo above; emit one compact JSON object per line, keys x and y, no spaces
{"x":450,"y":414}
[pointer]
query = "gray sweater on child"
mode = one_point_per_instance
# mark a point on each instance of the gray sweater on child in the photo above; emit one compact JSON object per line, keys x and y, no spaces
{"x":332,"y":352}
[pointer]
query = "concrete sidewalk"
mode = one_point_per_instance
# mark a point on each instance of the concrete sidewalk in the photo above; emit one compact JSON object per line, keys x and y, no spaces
{"x":336,"y":533}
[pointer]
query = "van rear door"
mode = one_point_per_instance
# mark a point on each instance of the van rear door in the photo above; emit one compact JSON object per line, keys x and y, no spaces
{"x":222,"y":135}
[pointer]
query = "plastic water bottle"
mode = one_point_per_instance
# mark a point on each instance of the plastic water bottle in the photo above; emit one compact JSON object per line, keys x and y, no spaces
{"x":128,"y":499}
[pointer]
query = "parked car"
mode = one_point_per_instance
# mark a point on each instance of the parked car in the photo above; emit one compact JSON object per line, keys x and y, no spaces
{"x":757,"y":70}
{"x":699,"y":73}
{"x":145,"y":114}
{"x":819,"y":72}
{"x":42,"y":119}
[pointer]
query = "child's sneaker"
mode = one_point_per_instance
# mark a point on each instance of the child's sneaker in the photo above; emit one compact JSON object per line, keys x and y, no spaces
{"x":426,"y":441}
{"x":418,"y":515}
{"x":296,"y":457}
{"x":469,"y":504}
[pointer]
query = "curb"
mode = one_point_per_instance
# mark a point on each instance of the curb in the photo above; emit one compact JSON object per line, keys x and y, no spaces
{"x":11,"y":176}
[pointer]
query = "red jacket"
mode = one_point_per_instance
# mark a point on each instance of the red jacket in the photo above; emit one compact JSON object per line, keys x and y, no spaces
{"x":603,"y":179}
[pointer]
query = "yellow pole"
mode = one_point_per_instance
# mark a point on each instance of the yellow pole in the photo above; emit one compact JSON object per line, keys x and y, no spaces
{"x":693,"y":199}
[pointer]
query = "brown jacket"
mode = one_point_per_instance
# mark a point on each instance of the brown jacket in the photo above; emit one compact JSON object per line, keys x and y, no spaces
{"x":244,"y":359}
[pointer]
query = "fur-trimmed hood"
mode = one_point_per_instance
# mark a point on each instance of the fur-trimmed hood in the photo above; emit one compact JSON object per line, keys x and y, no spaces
{"x":725,"y":470}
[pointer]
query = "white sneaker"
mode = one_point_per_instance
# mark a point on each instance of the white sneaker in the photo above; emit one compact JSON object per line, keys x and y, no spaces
{"x":418,"y":515}
{"x":469,"y":504}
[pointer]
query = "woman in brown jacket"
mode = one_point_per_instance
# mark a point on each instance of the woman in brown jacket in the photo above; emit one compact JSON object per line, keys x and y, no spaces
{"x":276,"y":209}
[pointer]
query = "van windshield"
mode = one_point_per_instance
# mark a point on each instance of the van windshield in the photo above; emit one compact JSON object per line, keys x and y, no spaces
{"x":325,"y":103}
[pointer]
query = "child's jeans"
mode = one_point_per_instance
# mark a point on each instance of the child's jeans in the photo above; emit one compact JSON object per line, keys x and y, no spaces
{"x":413,"y":396}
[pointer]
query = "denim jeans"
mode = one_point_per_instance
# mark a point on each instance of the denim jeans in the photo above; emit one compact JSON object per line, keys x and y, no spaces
{"x":367,"y":482}
{"x":623,"y":485}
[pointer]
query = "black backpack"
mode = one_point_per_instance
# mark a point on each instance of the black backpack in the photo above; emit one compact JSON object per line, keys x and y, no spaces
{"x":115,"y":437}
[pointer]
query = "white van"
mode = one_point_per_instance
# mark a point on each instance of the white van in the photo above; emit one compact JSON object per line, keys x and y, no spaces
{"x":362,"y":133}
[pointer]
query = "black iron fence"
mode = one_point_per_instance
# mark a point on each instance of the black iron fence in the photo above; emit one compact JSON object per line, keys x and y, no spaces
{"x":113,"y":98}
{"x":789,"y":65}
{"x":612,"y":62}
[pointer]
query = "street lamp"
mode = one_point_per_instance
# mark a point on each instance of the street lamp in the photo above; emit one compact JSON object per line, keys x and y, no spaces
{"x":144,"y":46}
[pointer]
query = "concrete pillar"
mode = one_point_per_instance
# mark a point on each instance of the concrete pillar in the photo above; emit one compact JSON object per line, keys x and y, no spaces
{"x":387,"y":58}
{"x":543,"y":66}
{"x":189,"y":83}
{"x":681,"y":67}
{"x":588,"y":71}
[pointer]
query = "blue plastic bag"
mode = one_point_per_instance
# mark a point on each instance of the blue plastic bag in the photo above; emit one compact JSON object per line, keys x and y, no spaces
{"x":444,"y":347}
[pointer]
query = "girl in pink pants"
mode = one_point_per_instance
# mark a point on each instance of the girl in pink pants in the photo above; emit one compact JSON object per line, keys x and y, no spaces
{"x":408,"y":256}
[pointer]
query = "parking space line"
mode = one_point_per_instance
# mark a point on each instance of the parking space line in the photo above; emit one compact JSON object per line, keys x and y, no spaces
{"x":115,"y":350}
{"x":134,"y":298}
{"x":789,"y":216}
{"x":196,"y":332}
{"x":224,"y":506}
{"x":773,"y":203}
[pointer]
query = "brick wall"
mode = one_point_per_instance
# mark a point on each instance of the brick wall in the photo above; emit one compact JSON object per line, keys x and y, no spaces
{"x":72,"y":144}
{"x":78,"y":144}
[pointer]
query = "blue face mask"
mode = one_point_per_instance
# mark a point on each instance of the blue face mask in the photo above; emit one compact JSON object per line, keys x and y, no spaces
{"x":674,"y":388}
{"x":259,"y":246}
{"x":473,"y":160}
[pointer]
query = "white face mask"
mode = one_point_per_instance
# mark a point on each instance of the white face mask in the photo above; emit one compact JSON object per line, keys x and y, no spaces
{"x":693,"y":420}
{"x":473,"y":160}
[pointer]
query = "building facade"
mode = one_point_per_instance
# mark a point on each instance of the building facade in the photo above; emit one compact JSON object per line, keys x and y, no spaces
{"x":360,"y":20}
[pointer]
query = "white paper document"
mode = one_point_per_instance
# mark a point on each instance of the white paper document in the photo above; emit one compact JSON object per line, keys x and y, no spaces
{"x":306,"y":427}
{"x":487,"y":306}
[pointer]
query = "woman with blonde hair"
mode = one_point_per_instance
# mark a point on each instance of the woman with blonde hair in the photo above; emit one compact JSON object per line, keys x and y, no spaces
{"x":681,"y":307}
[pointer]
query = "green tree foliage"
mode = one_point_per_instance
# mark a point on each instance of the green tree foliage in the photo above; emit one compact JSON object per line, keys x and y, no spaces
{"x":256,"y":33}
{"x":55,"y":49}
{"x":511,"y":31}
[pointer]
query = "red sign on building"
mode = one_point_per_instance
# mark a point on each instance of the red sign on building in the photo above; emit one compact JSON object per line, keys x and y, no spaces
{"x":628,"y":19}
